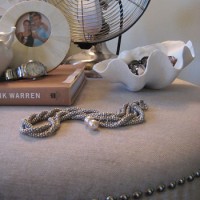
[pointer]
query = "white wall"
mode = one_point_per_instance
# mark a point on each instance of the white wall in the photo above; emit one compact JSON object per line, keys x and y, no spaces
{"x":167,"y":20}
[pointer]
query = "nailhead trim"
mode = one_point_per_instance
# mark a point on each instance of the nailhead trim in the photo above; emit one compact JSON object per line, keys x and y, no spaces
{"x":159,"y":189}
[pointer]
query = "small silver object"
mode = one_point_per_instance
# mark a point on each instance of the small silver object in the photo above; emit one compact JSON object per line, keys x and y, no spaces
{"x":149,"y":191}
{"x":110,"y":198}
{"x":197,"y":174}
{"x":161,"y":188}
{"x":137,"y":195}
{"x":172,"y":185}
{"x":137,"y":67}
{"x":190,"y":178}
{"x":181,"y":181}
{"x":124,"y":197}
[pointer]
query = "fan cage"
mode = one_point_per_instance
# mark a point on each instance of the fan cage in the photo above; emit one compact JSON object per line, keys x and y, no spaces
{"x":110,"y":18}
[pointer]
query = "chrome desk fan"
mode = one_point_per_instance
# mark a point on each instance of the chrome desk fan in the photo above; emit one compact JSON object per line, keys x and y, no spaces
{"x":92,"y":22}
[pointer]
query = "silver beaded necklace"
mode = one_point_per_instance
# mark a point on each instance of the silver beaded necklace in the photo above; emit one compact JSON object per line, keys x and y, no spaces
{"x":129,"y":114}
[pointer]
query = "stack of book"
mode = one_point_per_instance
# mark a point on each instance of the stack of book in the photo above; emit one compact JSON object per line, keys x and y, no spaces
{"x":60,"y":87}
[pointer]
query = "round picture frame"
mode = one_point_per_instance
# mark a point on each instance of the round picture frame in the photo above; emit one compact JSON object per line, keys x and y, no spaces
{"x":53,"y":51}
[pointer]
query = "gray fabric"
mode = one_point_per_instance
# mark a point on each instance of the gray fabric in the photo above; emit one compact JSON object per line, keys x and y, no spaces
{"x":78,"y":164}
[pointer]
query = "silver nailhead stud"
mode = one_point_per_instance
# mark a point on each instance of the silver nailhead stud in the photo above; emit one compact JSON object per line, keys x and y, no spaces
{"x":197,"y":174}
{"x":149,"y":191}
{"x":110,"y":198}
{"x":190,"y":178}
{"x":161,"y":188}
{"x":181,"y":181}
{"x":172,"y":185}
{"x":124,"y":197}
{"x":137,"y":195}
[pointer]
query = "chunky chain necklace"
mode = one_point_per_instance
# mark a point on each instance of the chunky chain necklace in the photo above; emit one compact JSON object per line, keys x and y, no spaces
{"x":129,"y":114}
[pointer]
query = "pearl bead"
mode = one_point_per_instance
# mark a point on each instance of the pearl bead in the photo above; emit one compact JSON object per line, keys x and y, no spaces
{"x":87,"y":119}
{"x":93,"y":124}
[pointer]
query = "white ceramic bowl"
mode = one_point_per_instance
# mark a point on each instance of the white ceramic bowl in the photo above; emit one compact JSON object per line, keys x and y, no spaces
{"x":159,"y":71}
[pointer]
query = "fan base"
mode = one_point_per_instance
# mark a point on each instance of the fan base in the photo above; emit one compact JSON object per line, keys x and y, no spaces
{"x":95,"y":54}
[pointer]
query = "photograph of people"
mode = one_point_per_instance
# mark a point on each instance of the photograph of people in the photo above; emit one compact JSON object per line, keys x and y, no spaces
{"x":33,"y":29}
{"x":26,"y":37}
{"x":40,"y":30}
